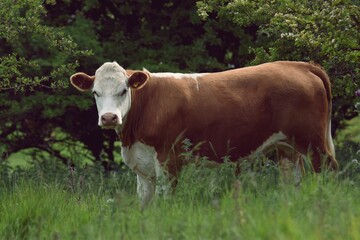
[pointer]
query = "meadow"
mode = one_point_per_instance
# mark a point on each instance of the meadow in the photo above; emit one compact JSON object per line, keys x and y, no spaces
{"x":48,"y":200}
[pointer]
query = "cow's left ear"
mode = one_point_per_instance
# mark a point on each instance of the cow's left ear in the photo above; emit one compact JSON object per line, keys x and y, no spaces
{"x":82,"y":81}
{"x":138,"y":79}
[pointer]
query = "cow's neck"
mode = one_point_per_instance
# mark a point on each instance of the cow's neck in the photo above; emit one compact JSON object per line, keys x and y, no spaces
{"x":139,"y":100}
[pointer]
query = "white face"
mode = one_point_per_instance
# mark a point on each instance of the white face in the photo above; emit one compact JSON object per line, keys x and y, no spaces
{"x":112,"y":95}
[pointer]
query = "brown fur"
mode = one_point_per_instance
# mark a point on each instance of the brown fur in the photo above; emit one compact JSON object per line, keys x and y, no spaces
{"x":233,"y":112}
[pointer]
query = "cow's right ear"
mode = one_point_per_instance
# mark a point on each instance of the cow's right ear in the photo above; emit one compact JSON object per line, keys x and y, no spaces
{"x":82,"y":81}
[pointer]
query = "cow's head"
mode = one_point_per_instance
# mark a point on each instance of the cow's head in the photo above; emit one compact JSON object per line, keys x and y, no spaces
{"x":111,"y":88}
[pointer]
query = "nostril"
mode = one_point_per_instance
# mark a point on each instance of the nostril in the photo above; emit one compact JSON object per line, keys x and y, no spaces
{"x":114,"y":119}
{"x":109,"y":119}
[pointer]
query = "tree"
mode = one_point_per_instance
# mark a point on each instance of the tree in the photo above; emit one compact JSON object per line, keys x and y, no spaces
{"x":37,"y":114}
{"x":43,"y":43}
{"x":21,"y":28}
{"x":326,"y":32}
{"x":35,"y":59}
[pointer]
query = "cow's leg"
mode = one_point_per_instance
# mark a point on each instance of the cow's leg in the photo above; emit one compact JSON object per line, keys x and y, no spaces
{"x":163,"y":184}
{"x":299,"y":170}
{"x":145,"y":189}
{"x":141,"y":159}
{"x":290,"y":160}
{"x":322,"y":160}
{"x":167,"y":167}
{"x":291,"y":169}
{"x":291,"y":163}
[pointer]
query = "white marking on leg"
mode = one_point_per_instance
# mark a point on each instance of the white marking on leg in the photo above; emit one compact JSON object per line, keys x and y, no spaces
{"x":163,"y":184}
{"x":142,"y":159}
{"x":145,"y":189}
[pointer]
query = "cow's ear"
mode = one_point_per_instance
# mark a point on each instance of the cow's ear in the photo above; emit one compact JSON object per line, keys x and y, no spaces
{"x":138,"y":79}
{"x":82,"y":81}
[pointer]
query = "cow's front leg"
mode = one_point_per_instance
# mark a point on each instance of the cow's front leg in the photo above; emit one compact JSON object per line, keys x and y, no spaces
{"x":141,"y":159}
{"x":163,"y":183}
{"x":145,"y":189}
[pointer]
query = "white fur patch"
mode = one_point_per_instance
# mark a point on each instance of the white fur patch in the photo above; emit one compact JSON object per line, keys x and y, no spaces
{"x":177,"y":75}
{"x":330,"y":140}
{"x":142,"y":159}
{"x":191,"y":76}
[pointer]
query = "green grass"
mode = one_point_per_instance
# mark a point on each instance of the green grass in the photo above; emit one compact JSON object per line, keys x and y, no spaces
{"x":43,"y":199}
{"x":50,"y":202}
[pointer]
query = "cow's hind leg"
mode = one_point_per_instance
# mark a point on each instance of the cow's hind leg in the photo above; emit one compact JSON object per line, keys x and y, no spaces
{"x":291,"y":165}
{"x":323,"y":161}
{"x":163,"y":183}
{"x":291,"y":162}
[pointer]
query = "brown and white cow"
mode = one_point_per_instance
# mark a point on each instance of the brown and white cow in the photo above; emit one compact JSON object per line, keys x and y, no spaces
{"x":231,"y":113}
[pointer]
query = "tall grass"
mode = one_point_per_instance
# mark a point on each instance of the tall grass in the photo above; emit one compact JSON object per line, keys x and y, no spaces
{"x":50,"y":201}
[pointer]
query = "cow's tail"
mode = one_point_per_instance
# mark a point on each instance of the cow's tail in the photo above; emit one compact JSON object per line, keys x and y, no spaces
{"x":330,"y":149}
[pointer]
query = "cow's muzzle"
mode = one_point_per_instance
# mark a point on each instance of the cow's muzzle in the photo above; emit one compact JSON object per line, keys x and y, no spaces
{"x":109,"y":120}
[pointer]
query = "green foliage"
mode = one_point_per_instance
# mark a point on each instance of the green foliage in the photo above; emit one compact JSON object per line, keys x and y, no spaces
{"x":326,"y":32}
{"x":36,"y":61}
{"x":23,"y":33}
{"x":351,"y":133}
{"x":43,"y":42}
{"x":161,"y":36}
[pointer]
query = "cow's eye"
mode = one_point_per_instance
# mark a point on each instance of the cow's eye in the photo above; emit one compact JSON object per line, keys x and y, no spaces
{"x":123,"y":92}
{"x":95,"y":94}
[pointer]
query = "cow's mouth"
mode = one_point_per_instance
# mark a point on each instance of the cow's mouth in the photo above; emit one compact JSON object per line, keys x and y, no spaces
{"x":109,"y":126}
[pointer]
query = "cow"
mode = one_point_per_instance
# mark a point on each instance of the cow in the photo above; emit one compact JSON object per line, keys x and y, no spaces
{"x":230,"y":113}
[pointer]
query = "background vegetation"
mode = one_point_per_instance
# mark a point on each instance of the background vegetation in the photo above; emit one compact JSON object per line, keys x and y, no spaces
{"x":51,"y":128}
{"x":43,"y":43}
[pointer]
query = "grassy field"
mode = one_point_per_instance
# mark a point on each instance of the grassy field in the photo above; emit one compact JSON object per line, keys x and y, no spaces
{"x":49,"y":201}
